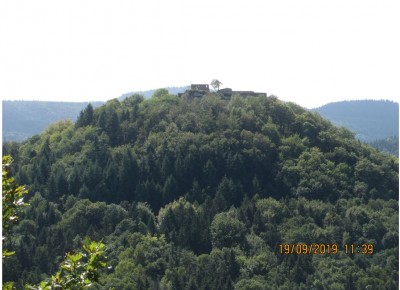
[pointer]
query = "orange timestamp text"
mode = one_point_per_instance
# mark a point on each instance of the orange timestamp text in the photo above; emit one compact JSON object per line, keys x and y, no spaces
{"x":324,"y":249}
{"x":308,"y":249}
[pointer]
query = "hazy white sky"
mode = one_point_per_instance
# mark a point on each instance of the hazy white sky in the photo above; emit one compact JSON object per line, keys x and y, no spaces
{"x":310,"y":52}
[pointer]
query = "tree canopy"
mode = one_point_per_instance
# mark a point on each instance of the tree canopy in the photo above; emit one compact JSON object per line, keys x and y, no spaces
{"x":216,"y":84}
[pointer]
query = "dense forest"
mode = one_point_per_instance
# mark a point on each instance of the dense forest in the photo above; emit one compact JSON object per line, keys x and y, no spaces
{"x":208,"y":193}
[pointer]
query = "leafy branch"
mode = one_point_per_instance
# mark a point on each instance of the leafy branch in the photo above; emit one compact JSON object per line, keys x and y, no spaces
{"x":79,"y":270}
{"x":13,"y":200}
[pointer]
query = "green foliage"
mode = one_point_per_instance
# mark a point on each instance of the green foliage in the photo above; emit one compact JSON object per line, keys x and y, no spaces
{"x":160,"y":93}
{"x":179,"y":221}
{"x":216,"y":84}
{"x":12,"y":201}
{"x":79,"y":270}
{"x":227,"y":231}
{"x":85,"y":117}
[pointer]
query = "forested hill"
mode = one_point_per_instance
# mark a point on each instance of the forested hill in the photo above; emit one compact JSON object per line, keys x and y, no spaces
{"x":203,"y":193}
{"x":370,"y":119}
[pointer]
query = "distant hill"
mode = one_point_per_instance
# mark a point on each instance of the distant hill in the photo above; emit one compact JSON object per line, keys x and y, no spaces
{"x":23,"y":119}
{"x":370,"y":120}
{"x":149,"y":93}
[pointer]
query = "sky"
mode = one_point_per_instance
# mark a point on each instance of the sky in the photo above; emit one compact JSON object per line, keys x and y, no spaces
{"x":310,"y":52}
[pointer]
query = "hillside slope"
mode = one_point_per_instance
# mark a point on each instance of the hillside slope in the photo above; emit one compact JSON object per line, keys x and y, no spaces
{"x":369,"y":119}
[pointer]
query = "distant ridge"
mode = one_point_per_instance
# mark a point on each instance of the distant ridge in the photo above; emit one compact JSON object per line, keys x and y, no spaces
{"x":149,"y":93}
{"x":23,"y":119}
{"x":370,"y":120}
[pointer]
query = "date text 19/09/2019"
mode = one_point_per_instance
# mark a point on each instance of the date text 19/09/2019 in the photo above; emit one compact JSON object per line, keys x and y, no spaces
{"x":325,"y":249}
